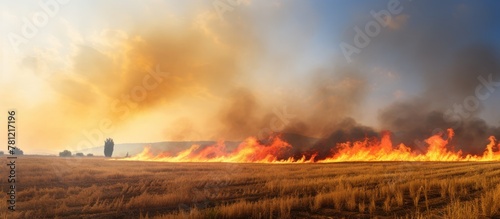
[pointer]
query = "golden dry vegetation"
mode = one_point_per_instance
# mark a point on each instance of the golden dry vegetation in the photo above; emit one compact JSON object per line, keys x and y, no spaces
{"x":54,"y":187}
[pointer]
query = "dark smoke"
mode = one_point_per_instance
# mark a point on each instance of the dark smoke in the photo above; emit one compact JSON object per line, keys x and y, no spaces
{"x":239,"y":116}
{"x":347,"y":130}
{"x":446,"y":54}
{"x":332,"y":94}
{"x":449,"y":57}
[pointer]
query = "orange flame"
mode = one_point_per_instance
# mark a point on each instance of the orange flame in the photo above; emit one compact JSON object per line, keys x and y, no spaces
{"x":251,"y":151}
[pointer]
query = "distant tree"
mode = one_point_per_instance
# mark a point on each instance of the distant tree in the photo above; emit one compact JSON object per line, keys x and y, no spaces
{"x":126,"y":155}
{"x":65,"y":153}
{"x":79,"y":154}
{"x":108,"y":147}
{"x":18,"y":151}
{"x":90,"y":155}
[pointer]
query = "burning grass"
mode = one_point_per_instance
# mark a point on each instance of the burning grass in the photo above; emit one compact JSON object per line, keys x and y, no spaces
{"x":99,"y":188}
{"x":254,"y":151}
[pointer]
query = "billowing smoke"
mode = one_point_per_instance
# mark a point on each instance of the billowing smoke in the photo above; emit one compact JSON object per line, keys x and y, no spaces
{"x":453,"y":98}
{"x":202,"y":77}
{"x":155,"y":66}
{"x":344,"y":130}
{"x":454,"y":65}
{"x":457,"y":70}
{"x":239,"y":116}
{"x":200,"y":71}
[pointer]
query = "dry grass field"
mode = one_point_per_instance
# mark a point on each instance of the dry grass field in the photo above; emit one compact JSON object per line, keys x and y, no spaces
{"x":54,"y":187}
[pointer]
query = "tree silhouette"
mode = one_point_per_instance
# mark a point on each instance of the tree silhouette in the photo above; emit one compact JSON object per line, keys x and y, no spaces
{"x":108,"y":147}
{"x":65,"y":153}
{"x":18,"y":151}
